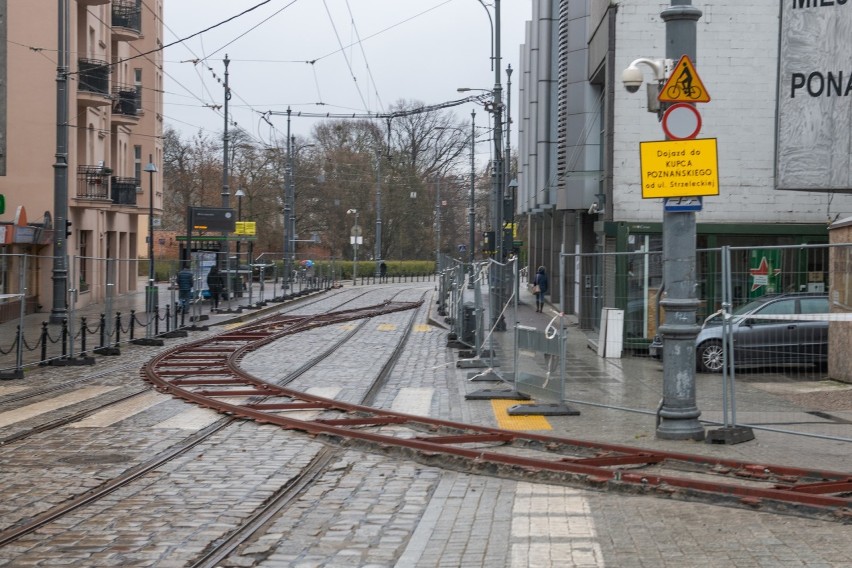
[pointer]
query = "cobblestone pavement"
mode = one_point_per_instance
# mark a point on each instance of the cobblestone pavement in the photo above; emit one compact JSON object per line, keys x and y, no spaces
{"x":373,"y":510}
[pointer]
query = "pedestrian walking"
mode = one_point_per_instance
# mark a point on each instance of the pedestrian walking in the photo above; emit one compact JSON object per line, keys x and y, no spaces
{"x":185,"y":282}
{"x":216,"y":285}
{"x":540,"y":288}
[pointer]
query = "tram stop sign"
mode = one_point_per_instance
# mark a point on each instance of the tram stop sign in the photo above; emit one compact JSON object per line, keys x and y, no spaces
{"x":356,"y":231}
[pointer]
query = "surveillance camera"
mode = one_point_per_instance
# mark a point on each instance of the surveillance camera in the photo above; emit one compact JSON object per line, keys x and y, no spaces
{"x":593,"y":209}
{"x":632,"y":79}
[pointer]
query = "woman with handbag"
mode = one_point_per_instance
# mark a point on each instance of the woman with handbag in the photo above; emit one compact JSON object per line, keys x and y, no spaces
{"x":539,"y":288}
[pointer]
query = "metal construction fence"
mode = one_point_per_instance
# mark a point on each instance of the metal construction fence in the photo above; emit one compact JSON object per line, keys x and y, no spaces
{"x":775,"y":327}
{"x":771,"y":354}
{"x":510,"y":360}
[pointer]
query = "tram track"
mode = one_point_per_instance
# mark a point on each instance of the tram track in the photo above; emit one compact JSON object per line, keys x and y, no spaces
{"x":465,"y":447}
{"x":98,"y":404}
{"x":283,"y":322}
{"x":265,"y":515}
{"x":210,"y":369}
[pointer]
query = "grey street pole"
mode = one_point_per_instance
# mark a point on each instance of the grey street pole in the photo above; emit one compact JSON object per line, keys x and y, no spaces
{"x":679,"y":412}
{"x":471,"y":213}
{"x":498,"y":284}
{"x":378,"y":249}
{"x":437,"y":225}
{"x":239,"y":195}
{"x":59,"y":311}
{"x":288,"y":209}
{"x":226,"y":191}
{"x":151,"y":294}
{"x":356,"y":234}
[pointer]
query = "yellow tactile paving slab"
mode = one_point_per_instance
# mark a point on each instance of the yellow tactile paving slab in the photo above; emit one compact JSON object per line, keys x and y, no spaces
{"x":506,"y":422}
{"x":386,"y":327}
{"x":55,"y":403}
{"x":4,"y":390}
{"x":122,"y":410}
{"x":423,"y":327}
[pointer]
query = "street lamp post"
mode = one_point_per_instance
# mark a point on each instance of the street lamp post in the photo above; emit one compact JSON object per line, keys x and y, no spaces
{"x":498,"y":284}
{"x":151,"y":290}
{"x":437,"y":225}
{"x":471,"y":211}
{"x":290,"y":203}
{"x":239,"y":194}
{"x":356,"y":234}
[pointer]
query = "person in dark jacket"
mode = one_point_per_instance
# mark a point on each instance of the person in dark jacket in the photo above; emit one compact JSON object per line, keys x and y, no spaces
{"x":540,"y":280}
{"x":185,"y":282}
{"x":216,"y":285}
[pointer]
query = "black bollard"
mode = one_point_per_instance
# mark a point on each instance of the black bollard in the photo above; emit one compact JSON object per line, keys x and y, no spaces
{"x":83,"y":331}
{"x":168,"y":318}
{"x":44,"y":339}
{"x":132,"y":324}
{"x":102,"y":330}
{"x":64,"y":338}
{"x":157,"y":322}
{"x":117,"y":328}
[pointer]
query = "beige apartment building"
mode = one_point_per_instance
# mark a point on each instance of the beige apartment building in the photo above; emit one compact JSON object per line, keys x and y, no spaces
{"x":114,"y":129}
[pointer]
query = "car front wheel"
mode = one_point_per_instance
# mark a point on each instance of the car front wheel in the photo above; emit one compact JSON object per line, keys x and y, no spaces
{"x":710,"y":357}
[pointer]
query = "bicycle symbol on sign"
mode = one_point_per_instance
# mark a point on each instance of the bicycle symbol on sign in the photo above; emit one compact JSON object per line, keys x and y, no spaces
{"x":684,"y":85}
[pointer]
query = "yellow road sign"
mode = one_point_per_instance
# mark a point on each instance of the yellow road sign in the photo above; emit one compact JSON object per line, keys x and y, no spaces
{"x":684,"y":85}
{"x":679,"y":168}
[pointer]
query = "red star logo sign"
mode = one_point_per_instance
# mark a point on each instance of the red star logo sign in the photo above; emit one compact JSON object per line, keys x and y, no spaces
{"x":761,"y":274}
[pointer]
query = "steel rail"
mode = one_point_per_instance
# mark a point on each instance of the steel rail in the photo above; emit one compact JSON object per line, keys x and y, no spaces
{"x":15,"y":531}
{"x":779,"y":488}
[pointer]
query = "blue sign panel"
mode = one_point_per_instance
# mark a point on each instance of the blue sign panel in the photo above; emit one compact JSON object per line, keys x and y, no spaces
{"x":682,"y":204}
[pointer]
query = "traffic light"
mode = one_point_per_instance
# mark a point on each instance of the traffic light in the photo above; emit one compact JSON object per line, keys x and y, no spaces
{"x":67,"y":229}
{"x":507,"y":243}
{"x":488,"y":242}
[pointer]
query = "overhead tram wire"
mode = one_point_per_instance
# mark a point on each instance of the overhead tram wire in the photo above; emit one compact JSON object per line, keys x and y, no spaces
{"x":312,"y":61}
{"x":389,"y":115}
{"x":345,"y":58}
{"x":251,"y":29}
{"x":176,"y":42}
{"x":364,"y":55}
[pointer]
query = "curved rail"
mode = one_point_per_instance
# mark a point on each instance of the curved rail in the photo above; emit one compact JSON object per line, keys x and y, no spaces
{"x":208,"y":372}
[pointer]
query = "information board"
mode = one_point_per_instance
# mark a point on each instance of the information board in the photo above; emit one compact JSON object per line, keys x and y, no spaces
{"x":679,"y":168}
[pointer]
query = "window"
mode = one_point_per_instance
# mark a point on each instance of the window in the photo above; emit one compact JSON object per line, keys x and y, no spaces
{"x":137,"y":81}
{"x":83,"y":248}
{"x":814,"y":305}
{"x":137,"y":164}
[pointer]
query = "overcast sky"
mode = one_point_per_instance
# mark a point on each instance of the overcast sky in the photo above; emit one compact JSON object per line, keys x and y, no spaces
{"x":367,"y":55}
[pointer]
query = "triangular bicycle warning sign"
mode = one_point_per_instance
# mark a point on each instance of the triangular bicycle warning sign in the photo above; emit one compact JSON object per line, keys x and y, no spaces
{"x":684,"y":85}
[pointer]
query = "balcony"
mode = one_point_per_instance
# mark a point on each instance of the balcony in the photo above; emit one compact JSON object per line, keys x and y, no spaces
{"x":124,"y":190}
{"x":93,"y":183}
{"x":92,"y":2}
{"x":126,"y":20}
{"x":125,"y":105}
{"x":93,"y":82}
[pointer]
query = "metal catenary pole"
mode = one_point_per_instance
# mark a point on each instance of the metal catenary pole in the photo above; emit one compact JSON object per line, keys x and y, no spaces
{"x":60,"y":170}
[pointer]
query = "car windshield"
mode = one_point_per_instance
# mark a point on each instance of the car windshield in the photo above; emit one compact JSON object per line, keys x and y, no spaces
{"x":736,"y":315}
{"x":749,"y":307}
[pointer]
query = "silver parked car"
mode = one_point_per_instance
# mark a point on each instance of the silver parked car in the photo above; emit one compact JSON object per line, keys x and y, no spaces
{"x":764,"y":341}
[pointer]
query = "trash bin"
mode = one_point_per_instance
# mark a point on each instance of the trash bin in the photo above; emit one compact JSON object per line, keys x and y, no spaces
{"x":468,"y":323}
